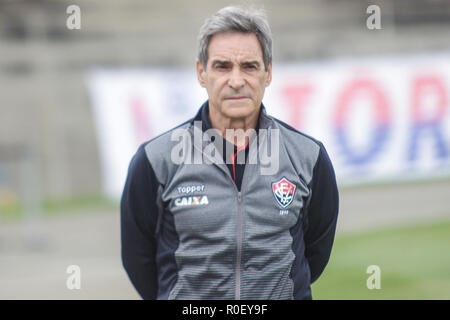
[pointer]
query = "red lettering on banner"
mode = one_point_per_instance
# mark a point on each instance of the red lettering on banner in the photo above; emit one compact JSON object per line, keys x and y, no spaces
{"x":426,"y":86}
{"x":297,"y":96}
{"x":140,"y":120}
{"x":382,"y":120}
{"x":379,"y":99}
{"x":424,"y":125}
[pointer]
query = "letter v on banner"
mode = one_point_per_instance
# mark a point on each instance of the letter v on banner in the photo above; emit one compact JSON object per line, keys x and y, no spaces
{"x":140,"y":119}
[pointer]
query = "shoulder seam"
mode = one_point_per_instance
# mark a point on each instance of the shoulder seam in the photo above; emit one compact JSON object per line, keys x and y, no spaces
{"x":166,"y":132}
{"x":147,"y":161}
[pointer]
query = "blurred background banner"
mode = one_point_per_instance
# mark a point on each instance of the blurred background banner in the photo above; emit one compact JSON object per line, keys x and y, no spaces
{"x":381,"y":119}
{"x":131,"y":107}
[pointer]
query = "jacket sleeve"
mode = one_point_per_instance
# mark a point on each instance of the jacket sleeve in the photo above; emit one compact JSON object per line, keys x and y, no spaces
{"x":138,"y":216}
{"x":321,"y":217}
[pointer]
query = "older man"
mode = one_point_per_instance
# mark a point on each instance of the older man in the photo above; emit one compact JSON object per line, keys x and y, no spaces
{"x":216,"y":227}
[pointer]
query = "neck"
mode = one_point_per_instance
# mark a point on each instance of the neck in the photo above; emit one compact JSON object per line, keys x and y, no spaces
{"x":234,"y":129}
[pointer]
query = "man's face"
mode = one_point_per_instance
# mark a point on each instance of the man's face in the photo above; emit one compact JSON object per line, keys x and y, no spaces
{"x":235,"y":77}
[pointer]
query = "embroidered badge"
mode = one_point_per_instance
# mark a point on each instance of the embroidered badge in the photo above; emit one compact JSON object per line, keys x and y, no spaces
{"x":283,"y":191}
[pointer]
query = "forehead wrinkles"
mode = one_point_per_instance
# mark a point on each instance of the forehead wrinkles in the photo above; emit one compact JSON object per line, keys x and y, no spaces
{"x":222,"y":47}
{"x":235,"y":56}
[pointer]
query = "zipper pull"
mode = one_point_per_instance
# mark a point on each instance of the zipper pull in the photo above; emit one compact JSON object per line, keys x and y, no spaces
{"x":239,"y":196}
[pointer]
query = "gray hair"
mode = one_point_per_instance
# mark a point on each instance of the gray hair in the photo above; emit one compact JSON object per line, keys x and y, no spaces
{"x":236,"y":19}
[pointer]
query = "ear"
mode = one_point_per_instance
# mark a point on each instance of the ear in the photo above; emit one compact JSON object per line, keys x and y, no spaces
{"x":269,"y":74}
{"x":201,"y":74}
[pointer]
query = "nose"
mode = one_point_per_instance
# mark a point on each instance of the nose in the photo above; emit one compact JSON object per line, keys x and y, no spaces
{"x":236,"y":80}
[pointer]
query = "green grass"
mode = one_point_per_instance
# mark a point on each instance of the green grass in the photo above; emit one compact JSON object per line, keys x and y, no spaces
{"x":414,"y":263}
{"x":60,"y":206}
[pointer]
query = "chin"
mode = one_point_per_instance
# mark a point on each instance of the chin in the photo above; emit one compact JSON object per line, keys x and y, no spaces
{"x":238,"y":110}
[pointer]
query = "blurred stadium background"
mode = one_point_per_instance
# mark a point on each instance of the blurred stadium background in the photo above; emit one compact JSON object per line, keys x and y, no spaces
{"x":56,"y":208}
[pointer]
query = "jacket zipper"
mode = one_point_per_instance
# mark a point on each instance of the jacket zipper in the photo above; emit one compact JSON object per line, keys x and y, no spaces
{"x":237,"y":292}
{"x":237,"y":289}
{"x":239,"y":240}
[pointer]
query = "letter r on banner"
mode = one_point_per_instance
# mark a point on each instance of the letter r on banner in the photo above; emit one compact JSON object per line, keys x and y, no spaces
{"x":428,"y":87}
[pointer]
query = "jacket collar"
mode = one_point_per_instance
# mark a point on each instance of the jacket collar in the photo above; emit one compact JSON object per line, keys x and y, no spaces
{"x":203,"y":116}
{"x":200,"y":144}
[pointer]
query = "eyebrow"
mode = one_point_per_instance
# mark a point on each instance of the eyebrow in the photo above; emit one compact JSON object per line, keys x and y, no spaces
{"x":245,"y":63}
{"x":249,"y":63}
{"x":216,"y":62}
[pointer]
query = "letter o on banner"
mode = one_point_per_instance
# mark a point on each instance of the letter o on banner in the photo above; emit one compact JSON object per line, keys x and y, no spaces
{"x":382,"y":120}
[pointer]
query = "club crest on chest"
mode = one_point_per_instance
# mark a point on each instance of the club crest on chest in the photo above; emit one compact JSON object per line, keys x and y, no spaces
{"x":283,"y":190}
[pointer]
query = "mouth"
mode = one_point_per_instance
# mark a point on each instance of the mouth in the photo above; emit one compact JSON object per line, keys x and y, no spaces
{"x":236,"y":98}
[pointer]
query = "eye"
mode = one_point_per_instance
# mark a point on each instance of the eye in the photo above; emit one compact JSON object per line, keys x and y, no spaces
{"x":222,"y":66}
{"x":250,"y":66}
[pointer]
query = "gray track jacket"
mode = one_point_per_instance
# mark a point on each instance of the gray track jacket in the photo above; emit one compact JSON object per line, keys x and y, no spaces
{"x":189,"y":233}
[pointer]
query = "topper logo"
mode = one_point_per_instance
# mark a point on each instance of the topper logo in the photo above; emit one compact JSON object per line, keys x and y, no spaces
{"x":191,"y":189}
